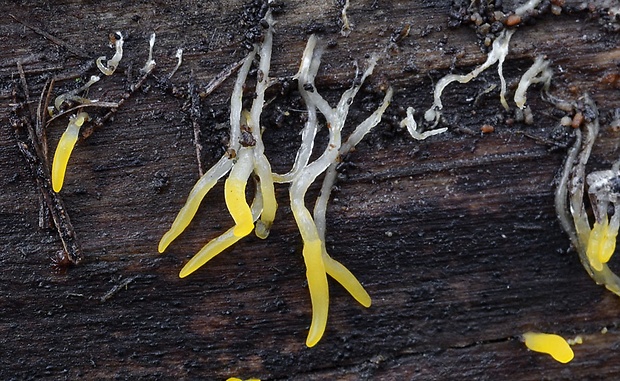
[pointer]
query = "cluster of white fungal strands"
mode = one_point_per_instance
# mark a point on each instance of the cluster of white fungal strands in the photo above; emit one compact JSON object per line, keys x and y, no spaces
{"x":243,"y":159}
{"x":595,"y":245}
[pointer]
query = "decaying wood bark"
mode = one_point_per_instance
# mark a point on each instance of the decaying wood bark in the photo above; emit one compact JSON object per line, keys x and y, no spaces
{"x":454,"y":237}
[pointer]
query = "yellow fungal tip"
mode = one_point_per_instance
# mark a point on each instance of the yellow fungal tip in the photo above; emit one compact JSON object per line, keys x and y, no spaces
{"x":238,"y":207}
{"x":551,"y":344}
{"x":65,"y":147}
{"x":601,"y":244}
{"x":243,"y":229}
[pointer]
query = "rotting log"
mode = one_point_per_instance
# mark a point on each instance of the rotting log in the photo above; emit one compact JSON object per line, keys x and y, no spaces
{"x":455,"y":237}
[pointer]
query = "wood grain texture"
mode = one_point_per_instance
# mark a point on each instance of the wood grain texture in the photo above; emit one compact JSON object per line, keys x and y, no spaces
{"x":455,"y":238}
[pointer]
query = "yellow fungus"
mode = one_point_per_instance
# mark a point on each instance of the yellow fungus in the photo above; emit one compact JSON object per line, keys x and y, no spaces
{"x":538,"y":72}
{"x":551,"y":344}
{"x":319,"y":291}
{"x":65,"y":147}
{"x":247,"y":157}
{"x":198,"y":192}
{"x":234,"y":193}
{"x":601,"y":244}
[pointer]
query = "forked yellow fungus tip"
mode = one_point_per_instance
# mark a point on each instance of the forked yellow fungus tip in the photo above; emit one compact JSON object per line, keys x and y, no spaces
{"x":551,"y":344}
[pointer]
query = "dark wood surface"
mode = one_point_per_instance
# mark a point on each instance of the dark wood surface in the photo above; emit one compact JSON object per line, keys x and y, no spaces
{"x":455,"y":238}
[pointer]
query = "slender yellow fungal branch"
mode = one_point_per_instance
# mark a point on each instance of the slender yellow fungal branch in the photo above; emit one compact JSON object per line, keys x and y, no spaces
{"x":198,"y":192}
{"x":221,"y":243}
{"x":112,"y":64}
{"x":234,"y":193}
{"x":319,"y":290}
{"x":551,"y":344}
{"x":65,"y":147}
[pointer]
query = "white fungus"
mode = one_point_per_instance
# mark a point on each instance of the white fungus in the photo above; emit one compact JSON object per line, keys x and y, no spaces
{"x":112,"y":64}
{"x":497,"y":54}
{"x":537,"y":73}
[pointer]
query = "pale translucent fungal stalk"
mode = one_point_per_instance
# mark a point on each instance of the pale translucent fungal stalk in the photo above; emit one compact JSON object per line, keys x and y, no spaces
{"x":179,"y":56}
{"x":112,"y":64}
{"x":73,"y":94}
{"x":527,"y":7}
{"x":537,"y":73}
{"x":150,"y":62}
{"x":65,"y":147}
{"x":412,"y":127}
{"x":498,"y":54}
{"x":261,"y":164}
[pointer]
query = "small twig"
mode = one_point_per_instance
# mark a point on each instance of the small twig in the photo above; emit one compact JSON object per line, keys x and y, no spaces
{"x":221,"y":77}
{"x":52,"y":200}
{"x":117,"y":287}
{"x":195,"y":116}
{"x":44,"y":213}
{"x":98,"y":123}
{"x":53,"y":39}
{"x":33,"y":154}
{"x":24,"y":84}
{"x":42,"y":115}
{"x":84,"y":105}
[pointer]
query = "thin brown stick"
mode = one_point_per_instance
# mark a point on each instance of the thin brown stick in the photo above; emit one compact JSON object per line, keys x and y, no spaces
{"x":53,"y":39}
{"x":111,"y":105}
{"x":31,"y":150}
{"x":221,"y":77}
{"x":98,"y":123}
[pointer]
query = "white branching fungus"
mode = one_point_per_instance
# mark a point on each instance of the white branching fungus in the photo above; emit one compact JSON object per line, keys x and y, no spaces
{"x":73,"y":96}
{"x":65,"y":147}
{"x":539,"y":72}
{"x":594,"y":245}
{"x":412,"y":127}
{"x":150,"y":62}
{"x":497,"y":55}
{"x":116,"y":39}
